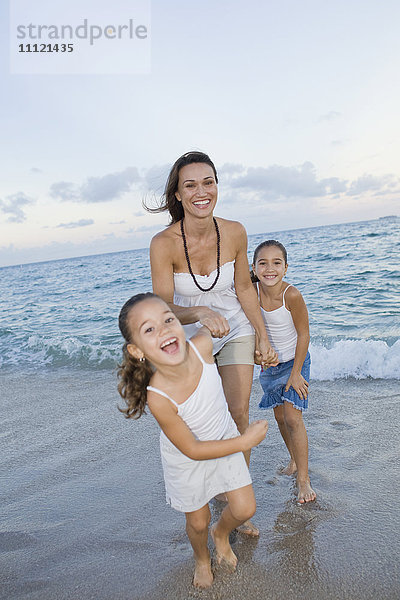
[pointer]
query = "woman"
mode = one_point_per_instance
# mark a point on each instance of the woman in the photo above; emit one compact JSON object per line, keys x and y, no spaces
{"x":199,"y":267}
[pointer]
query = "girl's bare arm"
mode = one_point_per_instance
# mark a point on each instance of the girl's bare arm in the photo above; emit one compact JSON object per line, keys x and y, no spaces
{"x":298,"y":309}
{"x":180,"y":435}
{"x":248,"y":298}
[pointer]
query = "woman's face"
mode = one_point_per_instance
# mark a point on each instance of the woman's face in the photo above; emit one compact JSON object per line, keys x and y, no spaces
{"x":197,"y":189}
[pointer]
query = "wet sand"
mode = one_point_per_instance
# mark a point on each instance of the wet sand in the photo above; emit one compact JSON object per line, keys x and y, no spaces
{"x":84,"y":514}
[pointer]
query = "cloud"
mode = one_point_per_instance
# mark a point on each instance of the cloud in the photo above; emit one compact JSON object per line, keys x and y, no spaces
{"x":147,"y":228}
{"x":334,"y":185}
{"x":12,"y":206}
{"x":277,"y":181}
{"x":154,"y":178}
{"x":74,"y":224}
{"x":36,"y":170}
{"x":109,"y":187}
{"x":372,"y":183}
{"x":96,"y":189}
{"x":65,"y":191}
{"x":60,"y":250}
{"x":264,"y":186}
{"x":231,"y":169}
{"x":329,"y":116}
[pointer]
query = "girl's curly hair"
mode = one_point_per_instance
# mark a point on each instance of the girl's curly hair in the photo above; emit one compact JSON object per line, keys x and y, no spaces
{"x":133,"y":374}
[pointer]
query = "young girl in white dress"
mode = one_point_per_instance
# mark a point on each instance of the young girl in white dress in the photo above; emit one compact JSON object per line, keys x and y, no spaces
{"x":201,"y":448}
{"x":285,"y":385}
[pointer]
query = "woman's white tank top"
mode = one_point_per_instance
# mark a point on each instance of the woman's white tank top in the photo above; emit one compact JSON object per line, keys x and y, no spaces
{"x":280,"y":329}
{"x":222,"y":298}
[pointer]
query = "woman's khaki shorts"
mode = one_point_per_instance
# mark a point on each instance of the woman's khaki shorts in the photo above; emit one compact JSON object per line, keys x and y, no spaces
{"x":239,"y":351}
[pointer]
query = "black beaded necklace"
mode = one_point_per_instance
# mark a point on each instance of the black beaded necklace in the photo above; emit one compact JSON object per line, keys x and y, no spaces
{"x":218,"y":257}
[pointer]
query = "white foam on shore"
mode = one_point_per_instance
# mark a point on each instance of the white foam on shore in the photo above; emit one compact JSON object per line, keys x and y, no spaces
{"x":355,"y":358}
{"x":330,"y":359}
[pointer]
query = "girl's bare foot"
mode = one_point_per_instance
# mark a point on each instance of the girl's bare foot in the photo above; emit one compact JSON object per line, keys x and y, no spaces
{"x":248,"y":529}
{"x":223,"y":549}
{"x":203,"y":576}
{"x":305,"y":492}
{"x":290,"y":468}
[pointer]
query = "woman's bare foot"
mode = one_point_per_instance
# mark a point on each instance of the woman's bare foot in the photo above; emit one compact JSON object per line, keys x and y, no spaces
{"x":290,"y":468}
{"x":305,"y":492}
{"x":247,"y":528}
{"x":203,"y":576}
{"x":223,"y":549}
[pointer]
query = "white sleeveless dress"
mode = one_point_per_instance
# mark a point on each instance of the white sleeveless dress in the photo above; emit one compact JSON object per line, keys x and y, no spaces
{"x":191,"y":484}
{"x":222,"y":298}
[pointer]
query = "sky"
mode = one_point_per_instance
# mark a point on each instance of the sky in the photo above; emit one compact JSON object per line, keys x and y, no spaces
{"x":296,"y":102}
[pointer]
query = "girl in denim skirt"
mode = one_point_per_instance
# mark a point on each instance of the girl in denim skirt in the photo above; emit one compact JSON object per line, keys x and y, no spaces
{"x":285,"y":385}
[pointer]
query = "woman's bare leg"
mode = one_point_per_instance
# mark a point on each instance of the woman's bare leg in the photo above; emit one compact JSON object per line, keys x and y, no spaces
{"x":241,"y":507}
{"x":237,"y":381}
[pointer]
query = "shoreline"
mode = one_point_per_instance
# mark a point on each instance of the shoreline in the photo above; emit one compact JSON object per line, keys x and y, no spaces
{"x":84,"y":512}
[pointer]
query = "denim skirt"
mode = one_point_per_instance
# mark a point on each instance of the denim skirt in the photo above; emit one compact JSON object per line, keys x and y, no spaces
{"x":273,"y":382}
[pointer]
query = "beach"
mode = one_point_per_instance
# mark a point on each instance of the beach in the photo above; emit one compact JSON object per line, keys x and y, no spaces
{"x":84,"y":513}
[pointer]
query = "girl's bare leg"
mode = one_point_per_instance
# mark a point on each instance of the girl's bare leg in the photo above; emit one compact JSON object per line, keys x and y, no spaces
{"x":197,"y":523}
{"x":241,"y":507}
{"x":237,"y":381}
{"x":299,"y":445}
{"x":291,"y":467}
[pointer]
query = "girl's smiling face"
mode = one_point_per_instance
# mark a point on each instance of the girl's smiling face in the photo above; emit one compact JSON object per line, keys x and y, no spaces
{"x":156,"y":333}
{"x":197,"y":189}
{"x":270,"y":266}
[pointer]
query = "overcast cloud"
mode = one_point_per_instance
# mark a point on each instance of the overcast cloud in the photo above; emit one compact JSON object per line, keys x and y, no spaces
{"x":96,"y":189}
{"x":75,"y":224}
{"x":12,"y":206}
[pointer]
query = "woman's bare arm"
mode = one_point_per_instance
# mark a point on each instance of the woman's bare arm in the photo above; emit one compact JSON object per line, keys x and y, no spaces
{"x":248,"y":298}
{"x":162,"y":275}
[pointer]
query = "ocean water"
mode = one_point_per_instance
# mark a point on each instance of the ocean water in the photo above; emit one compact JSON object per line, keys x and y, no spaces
{"x":79,"y":484}
{"x":64,"y":313}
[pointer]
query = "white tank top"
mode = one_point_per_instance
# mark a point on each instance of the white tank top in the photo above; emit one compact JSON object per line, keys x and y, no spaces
{"x":205,"y":412}
{"x":222,"y":298}
{"x":280,"y":329}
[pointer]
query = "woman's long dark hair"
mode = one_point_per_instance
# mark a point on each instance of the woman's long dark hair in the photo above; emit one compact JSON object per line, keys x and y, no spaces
{"x":169,"y":201}
{"x":133,"y":374}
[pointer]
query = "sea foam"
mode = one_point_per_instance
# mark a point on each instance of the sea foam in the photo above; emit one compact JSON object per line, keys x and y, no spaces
{"x":355,"y":358}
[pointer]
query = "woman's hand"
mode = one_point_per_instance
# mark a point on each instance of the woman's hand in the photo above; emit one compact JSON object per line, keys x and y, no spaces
{"x":254,"y":434}
{"x":299,"y":384}
{"x":216,"y":323}
{"x":266,"y":354}
{"x":257,"y":357}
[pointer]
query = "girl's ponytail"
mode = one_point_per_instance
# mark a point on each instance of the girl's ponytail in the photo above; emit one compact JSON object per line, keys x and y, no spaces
{"x":134,"y":376}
